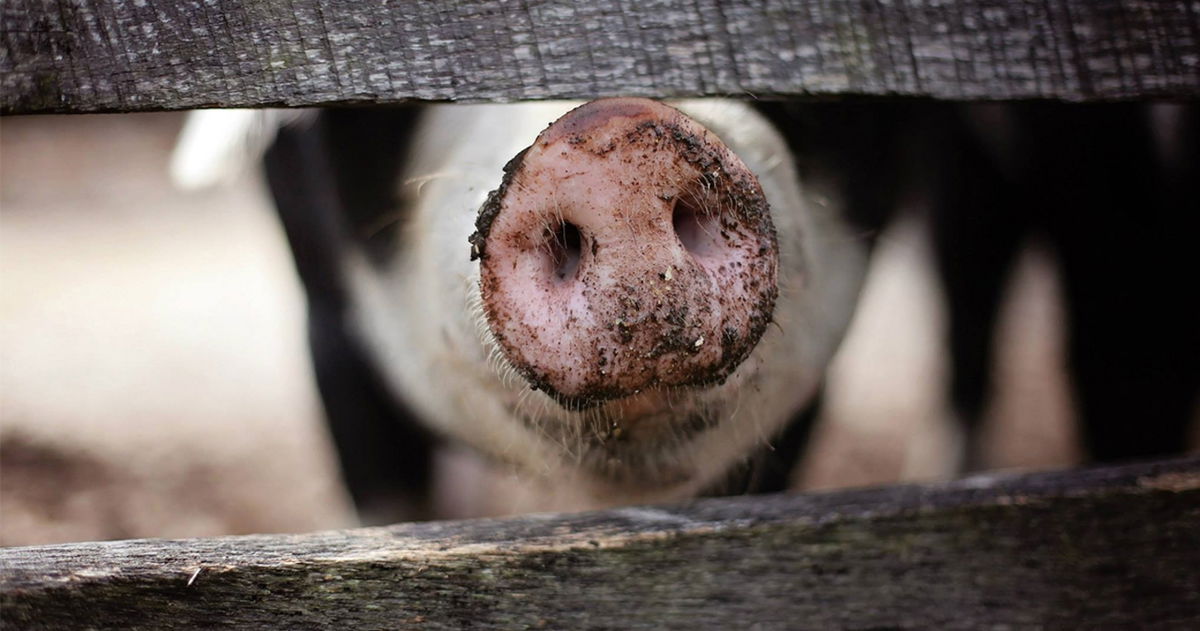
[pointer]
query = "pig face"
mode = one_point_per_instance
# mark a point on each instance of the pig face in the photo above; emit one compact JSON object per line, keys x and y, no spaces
{"x":648,"y":292}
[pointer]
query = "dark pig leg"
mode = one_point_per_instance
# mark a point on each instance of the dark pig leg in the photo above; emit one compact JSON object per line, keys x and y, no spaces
{"x":980,"y":220}
{"x":1121,"y":207}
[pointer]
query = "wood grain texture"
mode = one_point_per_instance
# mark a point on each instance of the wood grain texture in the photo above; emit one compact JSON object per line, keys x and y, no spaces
{"x":136,"y":55}
{"x":1103,"y":548}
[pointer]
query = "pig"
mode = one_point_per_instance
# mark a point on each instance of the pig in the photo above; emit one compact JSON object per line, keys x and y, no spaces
{"x":505,"y":277}
{"x":624,"y":301}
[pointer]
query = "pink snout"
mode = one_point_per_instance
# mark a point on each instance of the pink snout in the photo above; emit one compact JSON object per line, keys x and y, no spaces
{"x":628,"y":248}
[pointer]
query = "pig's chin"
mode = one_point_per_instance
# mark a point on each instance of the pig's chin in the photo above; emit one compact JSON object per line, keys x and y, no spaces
{"x":641,"y":440}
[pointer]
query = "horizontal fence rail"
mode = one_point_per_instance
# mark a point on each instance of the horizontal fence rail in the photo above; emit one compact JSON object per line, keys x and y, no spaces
{"x":137,"y":55}
{"x":1102,"y":548}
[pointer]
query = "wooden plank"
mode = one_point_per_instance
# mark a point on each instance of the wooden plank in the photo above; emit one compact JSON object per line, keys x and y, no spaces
{"x":137,"y":55}
{"x":1103,"y":548}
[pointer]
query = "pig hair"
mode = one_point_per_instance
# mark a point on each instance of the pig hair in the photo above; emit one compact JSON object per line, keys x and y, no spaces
{"x":412,"y":189}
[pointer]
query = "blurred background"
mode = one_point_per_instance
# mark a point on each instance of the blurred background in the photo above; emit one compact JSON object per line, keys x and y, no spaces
{"x":154,"y":377}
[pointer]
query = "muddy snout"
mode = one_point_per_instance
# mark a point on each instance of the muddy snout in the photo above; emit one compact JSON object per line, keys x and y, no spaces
{"x":628,"y":248}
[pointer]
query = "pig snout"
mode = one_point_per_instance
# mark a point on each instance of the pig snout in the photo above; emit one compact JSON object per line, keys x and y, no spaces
{"x":628,"y":248}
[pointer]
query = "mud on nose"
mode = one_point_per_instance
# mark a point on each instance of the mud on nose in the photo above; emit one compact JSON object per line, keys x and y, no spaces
{"x":627,"y":248}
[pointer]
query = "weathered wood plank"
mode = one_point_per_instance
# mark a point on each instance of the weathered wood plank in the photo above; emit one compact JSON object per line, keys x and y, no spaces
{"x":132,"y":55}
{"x":1104,"y":548}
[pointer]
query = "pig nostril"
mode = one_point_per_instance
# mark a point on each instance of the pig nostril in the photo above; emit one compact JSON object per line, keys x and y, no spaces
{"x":697,"y":230}
{"x":566,"y":246}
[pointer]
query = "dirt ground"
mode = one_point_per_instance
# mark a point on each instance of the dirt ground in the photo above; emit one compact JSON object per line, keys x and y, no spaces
{"x":154,"y":378}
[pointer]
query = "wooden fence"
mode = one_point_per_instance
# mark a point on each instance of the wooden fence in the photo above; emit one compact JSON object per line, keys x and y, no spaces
{"x":1115,"y":548}
{"x":135,"y":55}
